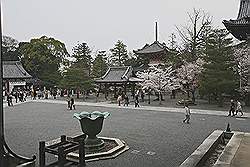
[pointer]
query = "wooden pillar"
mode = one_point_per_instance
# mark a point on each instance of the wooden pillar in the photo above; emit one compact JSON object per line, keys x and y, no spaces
{"x":42,"y":154}
{"x":61,"y":156}
{"x":125,"y":88}
{"x":105,"y":91}
{"x":99,"y":90}
{"x":81,"y":154}
{"x":133,"y":90}
{"x":115,"y":96}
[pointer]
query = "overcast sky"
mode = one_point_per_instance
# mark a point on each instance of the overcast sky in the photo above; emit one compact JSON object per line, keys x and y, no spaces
{"x":101,"y":23}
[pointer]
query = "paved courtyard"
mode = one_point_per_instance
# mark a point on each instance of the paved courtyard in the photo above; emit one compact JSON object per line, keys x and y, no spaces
{"x":155,"y":137}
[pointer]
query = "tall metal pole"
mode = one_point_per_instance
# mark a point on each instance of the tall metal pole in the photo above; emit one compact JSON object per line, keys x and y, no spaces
{"x":2,"y":151}
{"x":156,"y":32}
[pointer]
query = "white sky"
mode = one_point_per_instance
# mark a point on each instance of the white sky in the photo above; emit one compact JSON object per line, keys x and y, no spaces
{"x":101,"y":23}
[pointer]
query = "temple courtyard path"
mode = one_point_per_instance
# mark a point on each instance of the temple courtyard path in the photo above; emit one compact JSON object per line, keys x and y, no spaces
{"x":156,"y":136}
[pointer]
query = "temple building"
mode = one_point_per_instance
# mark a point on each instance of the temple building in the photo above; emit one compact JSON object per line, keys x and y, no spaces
{"x":14,"y":75}
{"x":120,"y":79}
{"x":155,"y":53}
{"x":240,"y":29}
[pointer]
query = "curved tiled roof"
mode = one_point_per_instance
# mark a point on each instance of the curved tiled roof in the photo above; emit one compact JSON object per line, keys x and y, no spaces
{"x":240,"y":28}
{"x":244,"y":11}
{"x":14,"y":70}
{"x":153,"y":48}
{"x":117,"y":75}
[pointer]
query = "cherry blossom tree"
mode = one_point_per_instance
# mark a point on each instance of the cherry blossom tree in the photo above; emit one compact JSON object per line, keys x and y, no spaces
{"x":188,"y":75}
{"x":241,"y":57}
{"x":159,"y":80}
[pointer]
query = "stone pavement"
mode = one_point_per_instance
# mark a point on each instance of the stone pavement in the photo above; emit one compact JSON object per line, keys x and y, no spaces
{"x":156,"y":138}
{"x":150,"y":108}
{"x":242,"y":155}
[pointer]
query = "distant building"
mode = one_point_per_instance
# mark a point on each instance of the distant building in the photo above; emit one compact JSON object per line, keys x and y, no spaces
{"x":14,"y":75}
{"x":155,"y":53}
{"x":240,"y":29}
{"x":122,"y":78}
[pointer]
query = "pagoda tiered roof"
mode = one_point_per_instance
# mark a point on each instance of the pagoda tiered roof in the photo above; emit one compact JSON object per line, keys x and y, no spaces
{"x":118,"y":75}
{"x":240,"y":28}
{"x":155,"y":47}
{"x":14,"y":70}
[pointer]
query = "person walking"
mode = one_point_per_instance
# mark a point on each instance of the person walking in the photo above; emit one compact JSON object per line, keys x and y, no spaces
{"x":15,"y":95}
{"x":9,"y":99}
{"x":238,"y":108}
{"x":126,"y":100}
{"x":232,"y":108}
{"x":137,"y":100}
{"x":119,"y":99}
{"x":142,"y":95}
{"x":188,"y":113}
{"x":68,"y":101}
{"x":72,"y":103}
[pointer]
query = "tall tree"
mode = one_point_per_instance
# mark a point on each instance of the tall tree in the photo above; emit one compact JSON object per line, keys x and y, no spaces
{"x":194,"y":35}
{"x":42,"y":58}
{"x":82,"y":55}
{"x":218,"y":75}
{"x":76,"y":78}
{"x":99,"y":65}
{"x":119,"y":54}
{"x":9,"y":49}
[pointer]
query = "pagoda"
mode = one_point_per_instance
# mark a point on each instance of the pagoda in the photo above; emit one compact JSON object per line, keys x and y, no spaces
{"x":240,"y":29}
{"x":154,"y":53}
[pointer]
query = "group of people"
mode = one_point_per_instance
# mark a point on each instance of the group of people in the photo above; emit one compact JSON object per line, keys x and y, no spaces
{"x":123,"y":98}
{"x":18,"y":95}
{"x":235,"y":108}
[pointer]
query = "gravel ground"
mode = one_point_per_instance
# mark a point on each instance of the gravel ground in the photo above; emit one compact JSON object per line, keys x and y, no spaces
{"x":155,"y":138}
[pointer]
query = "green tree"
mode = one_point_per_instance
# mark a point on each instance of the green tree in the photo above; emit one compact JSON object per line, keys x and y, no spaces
{"x":42,"y":58}
{"x":218,"y":76}
{"x":119,"y":54}
{"x":99,"y":65}
{"x":9,"y":49}
{"x":82,"y":55}
{"x":76,"y":78}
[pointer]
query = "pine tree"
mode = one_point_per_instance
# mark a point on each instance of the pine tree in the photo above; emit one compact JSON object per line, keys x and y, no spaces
{"x":119,"y":54}
{"x":218,"y":77}
{"x":99,"y":65}
{"x":82,"y":55}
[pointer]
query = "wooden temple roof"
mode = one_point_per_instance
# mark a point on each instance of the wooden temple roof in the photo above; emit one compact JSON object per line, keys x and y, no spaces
{"x":240,"y":28}
{"x":155,"y":47}
{"x":118,"y":75}
{"x":14,"y":70}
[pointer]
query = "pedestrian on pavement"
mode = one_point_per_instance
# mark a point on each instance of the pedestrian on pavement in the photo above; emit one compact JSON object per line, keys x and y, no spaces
{"x":9,"y":99}
{"x":119,"y":99}
{"x":232,"y":108}
{"x":34,"y":94}
{"x":188,"y":113}
{"x":142,"y":95}
{"x":72,"y":103}
{"x":68,"y":101}
{"x":137,"y":100}
{"x":238,"y":108}
{"x":24,"y":95}
{"x":126,"y":100}
{"x":15,"y":95}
